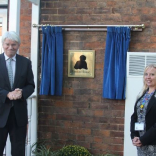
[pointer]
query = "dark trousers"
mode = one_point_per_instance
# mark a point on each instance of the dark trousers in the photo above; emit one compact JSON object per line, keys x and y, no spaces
{"x":17,"y":136}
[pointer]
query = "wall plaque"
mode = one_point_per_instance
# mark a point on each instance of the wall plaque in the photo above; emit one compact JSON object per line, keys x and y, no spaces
{"x":81,"y":63}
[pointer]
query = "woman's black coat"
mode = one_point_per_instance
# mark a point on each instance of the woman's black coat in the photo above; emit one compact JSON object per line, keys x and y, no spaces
{"x":149,"y":138}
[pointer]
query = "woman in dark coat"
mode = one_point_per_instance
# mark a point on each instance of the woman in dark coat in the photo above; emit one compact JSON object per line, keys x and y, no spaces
{"x":143,"y":120}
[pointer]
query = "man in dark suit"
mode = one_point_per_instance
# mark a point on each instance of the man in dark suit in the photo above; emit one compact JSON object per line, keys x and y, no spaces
{"x":16,"y":85}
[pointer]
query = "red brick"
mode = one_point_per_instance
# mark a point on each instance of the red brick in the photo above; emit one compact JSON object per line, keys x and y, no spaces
{"x":117,"y":120}
{"x":99,"y":106}
{"x":91,"y":125}
{"x":98,"y":139}
{"x":93,"y":45}
{"x":117,"y":107}
{"x":111,"y":3}
{"x":102,"y":133}
{"x":80,"y":138}
{"x":68,"y":91}
{"x":148,"y":17}
{"x":109,"y":126}
{"x":116,"y":141}
{"x":121,"y":10}
{"x":49,"y":5}
{"x":51,"y":11}
{"x":116,"y":147}
{"x":153,"y":39}
{"x":85,"y":112}
{"x":99,"y":146}
{"x":65,"y":4}
{"x":81,"y":131}
{"x":98,"y":112}
{"x":116,"y":134}
{"x":118,"y":113}
{"x":128,"y":18}
{"x":63,"y":104}
{"x":99,"y":66}
{"x":72,"y":124}
{"x":121,"y":127}
{"x":102,"y":11}
{"x":144,"y":10}
{"x":74,"y":17}
{"x":66,"y":11}
{"x":83,"y":11}
{"x":25,"y":20}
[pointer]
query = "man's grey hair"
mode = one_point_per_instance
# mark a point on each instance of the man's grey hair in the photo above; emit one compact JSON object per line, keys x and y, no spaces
{"x":12,"y":35}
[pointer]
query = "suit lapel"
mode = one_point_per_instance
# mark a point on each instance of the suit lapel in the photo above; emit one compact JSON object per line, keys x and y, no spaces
{"x":3,"y":69}
{"x":18,"y":70}
{"x":151,"y":102}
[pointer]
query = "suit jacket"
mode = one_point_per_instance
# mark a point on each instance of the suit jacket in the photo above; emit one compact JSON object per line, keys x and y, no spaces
{"x":149,"y":138}
{"x":24,"y":80}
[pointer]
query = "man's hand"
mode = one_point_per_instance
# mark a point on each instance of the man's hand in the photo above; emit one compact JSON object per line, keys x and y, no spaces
{"x":15,"y":95}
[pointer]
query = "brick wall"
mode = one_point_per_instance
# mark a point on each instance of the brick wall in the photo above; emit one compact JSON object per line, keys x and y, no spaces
{"x":81,"y":115}
{"x":25,"y":28}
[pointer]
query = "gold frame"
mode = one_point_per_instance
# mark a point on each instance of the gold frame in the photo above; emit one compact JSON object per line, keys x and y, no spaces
{"x":83,"y":68}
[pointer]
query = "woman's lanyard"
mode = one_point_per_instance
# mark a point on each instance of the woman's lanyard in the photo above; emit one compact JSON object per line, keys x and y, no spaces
{"x":145,"y":98}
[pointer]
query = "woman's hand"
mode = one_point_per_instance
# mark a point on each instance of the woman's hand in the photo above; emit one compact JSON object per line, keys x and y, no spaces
{"x":136,"y":142}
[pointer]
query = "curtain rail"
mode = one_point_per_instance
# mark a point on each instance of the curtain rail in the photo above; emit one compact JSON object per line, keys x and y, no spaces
{"x":92,"y":27}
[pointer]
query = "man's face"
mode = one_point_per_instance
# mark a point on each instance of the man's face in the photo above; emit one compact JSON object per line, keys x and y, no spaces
{"x":10,"y":47}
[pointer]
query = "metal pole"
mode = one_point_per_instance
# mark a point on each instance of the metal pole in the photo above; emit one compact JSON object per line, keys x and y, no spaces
{"x":88,"y":26}
{"x":91,"y":27}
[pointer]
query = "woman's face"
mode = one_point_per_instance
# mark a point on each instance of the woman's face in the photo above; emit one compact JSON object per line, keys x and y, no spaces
{"x":150,"y":77}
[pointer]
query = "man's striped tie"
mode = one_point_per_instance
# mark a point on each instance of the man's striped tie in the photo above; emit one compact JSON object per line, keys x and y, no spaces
{"x":10,"y":72}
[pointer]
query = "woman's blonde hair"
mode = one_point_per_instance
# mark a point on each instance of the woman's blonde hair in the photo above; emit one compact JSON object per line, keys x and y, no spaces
{"x":145,"y":87}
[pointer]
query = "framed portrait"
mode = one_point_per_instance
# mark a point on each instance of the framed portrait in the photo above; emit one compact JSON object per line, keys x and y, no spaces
{"x":81,"y":63}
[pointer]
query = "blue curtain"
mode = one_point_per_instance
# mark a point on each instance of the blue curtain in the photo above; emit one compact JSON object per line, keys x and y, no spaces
{"x":117,"y":44}
{"x":52,"y":61}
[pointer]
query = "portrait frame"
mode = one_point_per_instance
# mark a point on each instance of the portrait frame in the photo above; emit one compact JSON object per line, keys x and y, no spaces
{"x":81,"y":63}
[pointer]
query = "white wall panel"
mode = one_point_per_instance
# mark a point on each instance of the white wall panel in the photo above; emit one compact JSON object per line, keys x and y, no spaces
{"x":136,"y":62}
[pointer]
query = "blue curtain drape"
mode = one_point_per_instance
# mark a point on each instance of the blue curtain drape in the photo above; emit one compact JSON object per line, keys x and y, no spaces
{"x":52,"y":61}
{"x":117,"y":44}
